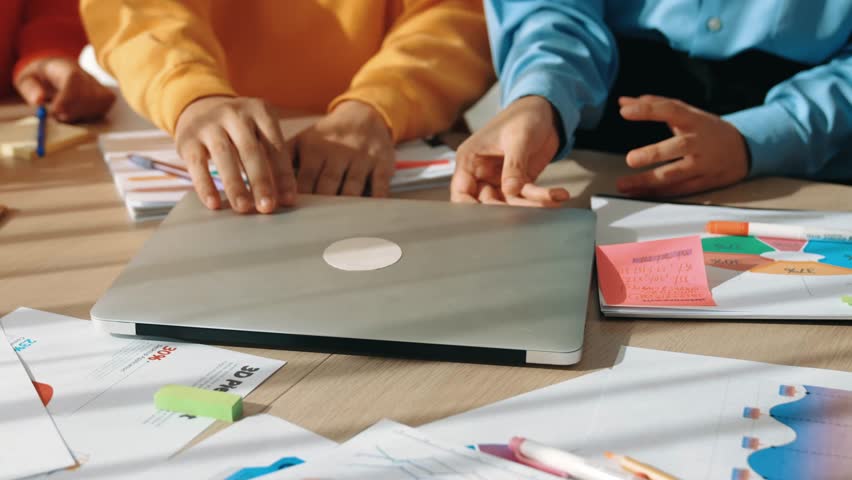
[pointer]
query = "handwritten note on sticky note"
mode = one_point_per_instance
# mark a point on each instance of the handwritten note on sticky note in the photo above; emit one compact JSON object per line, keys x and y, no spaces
{"x":659,"y":273}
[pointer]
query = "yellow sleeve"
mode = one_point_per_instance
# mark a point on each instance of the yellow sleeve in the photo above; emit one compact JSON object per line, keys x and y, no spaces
{"x":163,"y":53}
{"x":433,"y":62}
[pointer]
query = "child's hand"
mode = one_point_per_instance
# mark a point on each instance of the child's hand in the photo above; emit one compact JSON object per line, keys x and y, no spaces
{"x":238,"y":134}
{"x":705,"y":152}
{"x":498,"y":164}
{"x":72,"y":93}
{"x":345,"y":148}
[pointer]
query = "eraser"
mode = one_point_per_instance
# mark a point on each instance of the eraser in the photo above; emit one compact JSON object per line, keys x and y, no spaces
{"x":199,"y":402}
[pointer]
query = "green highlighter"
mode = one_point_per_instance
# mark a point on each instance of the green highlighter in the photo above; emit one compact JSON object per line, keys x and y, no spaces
{"x":199,"y":402}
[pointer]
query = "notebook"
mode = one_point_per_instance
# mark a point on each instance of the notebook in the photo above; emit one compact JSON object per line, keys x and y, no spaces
{"x":18,"y":137}
{"x":150,"y":194}
{"x":679,"y":271}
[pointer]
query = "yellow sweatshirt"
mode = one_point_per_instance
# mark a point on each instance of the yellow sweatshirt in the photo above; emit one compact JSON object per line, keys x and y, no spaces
{"x":418,"y":62}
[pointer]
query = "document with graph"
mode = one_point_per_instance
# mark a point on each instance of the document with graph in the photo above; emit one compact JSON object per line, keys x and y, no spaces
{"x":99,"y":388}
{"x":693,"y":416}
{"x":391,"y":451}
{"x":656,"y":260}
{"x":30,"y":444}
{"x":250,"y":448}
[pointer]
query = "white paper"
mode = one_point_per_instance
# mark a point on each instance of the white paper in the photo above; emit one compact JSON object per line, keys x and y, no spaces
{"x":740,"y":294}
{"x":251,"y":446}
{"x":103,"y":388}
{"x":29,"y":441}
{"x":390,"y":451}
{"x":151,"y":193}
{"x":684,"y":414}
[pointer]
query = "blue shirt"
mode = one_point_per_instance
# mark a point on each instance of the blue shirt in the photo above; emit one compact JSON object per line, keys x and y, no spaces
{"x":564,"y":50}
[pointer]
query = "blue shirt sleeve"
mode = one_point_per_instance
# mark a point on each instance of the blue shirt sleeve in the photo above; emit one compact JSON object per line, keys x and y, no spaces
{"x":804,"y":123}
{"x":557,"y":49}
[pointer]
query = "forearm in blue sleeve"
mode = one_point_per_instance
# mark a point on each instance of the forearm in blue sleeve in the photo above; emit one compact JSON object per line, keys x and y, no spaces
{"x":557,"y":49}
{"x":804,"y":124}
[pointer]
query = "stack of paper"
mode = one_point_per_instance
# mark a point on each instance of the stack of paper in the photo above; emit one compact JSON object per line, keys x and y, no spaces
{"x":151,"y":194}
{"x":99,"y":390}
{"x":693,"y":416}
{"x":654,"y":260}
{"x":390,"y":451}
{"x":29,"y":441}
{"x":250,"y":448}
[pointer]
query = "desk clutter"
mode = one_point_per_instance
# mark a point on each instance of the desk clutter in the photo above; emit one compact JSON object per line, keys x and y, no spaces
{"x":151,"y":177}
{"x":99,"y":392}
{"x":659,"y":260}
{"x":86,"y":404}
{"x":81,"y":403}
{"x":92,"y":415}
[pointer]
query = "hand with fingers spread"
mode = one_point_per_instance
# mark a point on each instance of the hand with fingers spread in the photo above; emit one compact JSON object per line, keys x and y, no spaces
{"x":500,"y":163}
{"x":240,"y":135}
{"x":345,"y":151}
{"x":71,"y":93}
{"x":704,"y":152}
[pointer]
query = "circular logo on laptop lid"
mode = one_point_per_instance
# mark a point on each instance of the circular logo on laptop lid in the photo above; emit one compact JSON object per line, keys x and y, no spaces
{"x":361,"y":254}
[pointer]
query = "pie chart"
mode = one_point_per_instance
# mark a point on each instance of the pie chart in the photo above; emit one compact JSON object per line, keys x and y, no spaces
{"x":778,"y":256}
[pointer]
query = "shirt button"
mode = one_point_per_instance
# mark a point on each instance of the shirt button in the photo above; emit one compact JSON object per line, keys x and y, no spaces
{"x":714,"y":24}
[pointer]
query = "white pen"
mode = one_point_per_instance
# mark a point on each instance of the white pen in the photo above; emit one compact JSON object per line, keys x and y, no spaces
{"x":562,"y":463}
{"x":754,"y":229}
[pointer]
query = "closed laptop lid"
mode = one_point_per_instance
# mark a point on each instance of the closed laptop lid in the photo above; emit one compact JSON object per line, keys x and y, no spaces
{"x":493,"y":277}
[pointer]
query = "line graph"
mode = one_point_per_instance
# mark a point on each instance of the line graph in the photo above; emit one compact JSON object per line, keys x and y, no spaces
{"x":390,"y":451}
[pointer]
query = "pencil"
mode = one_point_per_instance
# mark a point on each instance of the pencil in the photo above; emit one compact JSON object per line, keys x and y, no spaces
{"x":638,"y":468}
{"x":41,"y":134}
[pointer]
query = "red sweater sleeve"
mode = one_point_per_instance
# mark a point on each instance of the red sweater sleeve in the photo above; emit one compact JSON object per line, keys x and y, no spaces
{"x":49,"y":28}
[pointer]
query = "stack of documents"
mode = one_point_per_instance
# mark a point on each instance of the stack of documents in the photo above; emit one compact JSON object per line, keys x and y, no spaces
{"x":708,"y":417}
{"x":656,"y":260}
{"x":96,"y":396}
{"x":150,"y":194}
{"x":692,"y":416}
{"x":30,"y":444}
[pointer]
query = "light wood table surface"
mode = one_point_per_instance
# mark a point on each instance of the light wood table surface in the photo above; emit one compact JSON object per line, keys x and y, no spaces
{"x":67,"y":237}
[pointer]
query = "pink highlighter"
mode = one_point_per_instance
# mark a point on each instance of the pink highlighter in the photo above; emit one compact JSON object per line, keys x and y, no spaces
{"x":563,"y":464}
{"x":515,"y":447}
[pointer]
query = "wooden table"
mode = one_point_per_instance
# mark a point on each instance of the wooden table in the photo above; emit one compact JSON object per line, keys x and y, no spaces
{"x":68,"y":236}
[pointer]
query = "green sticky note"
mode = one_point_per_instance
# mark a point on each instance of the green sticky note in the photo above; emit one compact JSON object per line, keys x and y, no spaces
{"x":199,"y":402}
{"x":847,"y":299}
{"x":744,"y":245}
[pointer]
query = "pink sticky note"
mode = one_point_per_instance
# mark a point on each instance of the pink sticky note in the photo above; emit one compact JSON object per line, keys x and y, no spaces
{"x":661,"y":273}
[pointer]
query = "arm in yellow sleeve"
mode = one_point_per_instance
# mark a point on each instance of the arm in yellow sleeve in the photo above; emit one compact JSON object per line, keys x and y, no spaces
{"x":163,"y":53}
{"x":433,"y":62}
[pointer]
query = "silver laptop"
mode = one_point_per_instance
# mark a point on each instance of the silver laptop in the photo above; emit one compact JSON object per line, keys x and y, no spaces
{"x":434,"y":280}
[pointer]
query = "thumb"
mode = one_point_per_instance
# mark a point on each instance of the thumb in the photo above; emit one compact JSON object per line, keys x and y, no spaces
{"x":32,"y":91}
{"x":515,"y":164}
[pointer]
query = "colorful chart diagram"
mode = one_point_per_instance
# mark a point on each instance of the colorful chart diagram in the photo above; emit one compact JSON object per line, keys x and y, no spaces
{"x":822,"y":449}
{"x":778,"y":256}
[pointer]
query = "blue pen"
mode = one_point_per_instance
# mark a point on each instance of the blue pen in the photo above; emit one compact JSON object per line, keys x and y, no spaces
{"x":151,"y":164}
{"x":41,"y":113}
